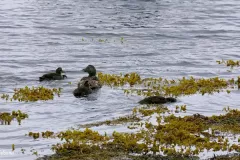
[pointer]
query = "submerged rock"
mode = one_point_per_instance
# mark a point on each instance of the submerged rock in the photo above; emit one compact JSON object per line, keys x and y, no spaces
{"x":157,"y":100}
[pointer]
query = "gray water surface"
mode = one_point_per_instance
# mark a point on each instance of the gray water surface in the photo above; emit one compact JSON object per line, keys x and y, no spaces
{"x":155,"y":38}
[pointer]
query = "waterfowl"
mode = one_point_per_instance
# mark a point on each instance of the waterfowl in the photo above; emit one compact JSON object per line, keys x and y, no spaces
{"x":92,"y":79}
{"x":59,"y":75}
{"x":157,"y":100}
{"x":83,"y":90}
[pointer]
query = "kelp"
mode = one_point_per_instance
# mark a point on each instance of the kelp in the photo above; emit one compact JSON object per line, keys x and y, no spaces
{"x":33,"y":94}
{"x":229,"y":63}
{"x":228,"y":157}
{"x":114,"y":80}
{"x":134,"y":118}
{"x":150,"y":109}
{"x":164,"y":87}
{"x":171,"y":136}
{"x":116,"y":121}
{"x":229,"y":122}
{"x":6,"y":118}
{"x":36,"y":135}
{"x":182,"y":87}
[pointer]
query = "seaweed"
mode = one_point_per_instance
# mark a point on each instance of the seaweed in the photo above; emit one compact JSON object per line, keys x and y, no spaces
{"x":164,"y":87}
{"x":6,"y":118}
{"x":172,"y":136}
{"x":229,"y":63}
{"x":33,"y":94}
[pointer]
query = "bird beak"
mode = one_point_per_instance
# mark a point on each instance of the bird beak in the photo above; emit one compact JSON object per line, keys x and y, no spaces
{"x":84,"y":70}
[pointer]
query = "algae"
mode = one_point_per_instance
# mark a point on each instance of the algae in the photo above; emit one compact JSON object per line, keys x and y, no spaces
{"x":33,"y":94}
{"x":6,"y":118}
{"x":165,"y":87}
{"x":36,"y":135}
{"x":119,"y":120}
{"x":172,"y":136}
{"x":229,"y":63}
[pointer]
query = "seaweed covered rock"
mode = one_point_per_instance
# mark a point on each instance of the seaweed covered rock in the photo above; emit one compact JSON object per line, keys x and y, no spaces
{"x":157,"y":100}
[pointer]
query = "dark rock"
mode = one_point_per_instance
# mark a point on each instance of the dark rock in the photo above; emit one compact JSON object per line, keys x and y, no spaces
{"x":157,"y":100}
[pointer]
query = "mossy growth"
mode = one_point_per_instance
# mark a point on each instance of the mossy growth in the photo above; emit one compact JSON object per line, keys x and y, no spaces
{"x":27,"y":94}
{"x":171,"y":136}
{"x":229,"y":63}
{"x":13,"y":147}
{"x":150,"y":109}
{"x":229,"y":122}
{"x":37,"y":135}
{"x":114,"y":80}
{"x":134,"y":118}
{"x":164,"y":87}
{"x":183,"y":87}
{"x":234,"y":156}
{"x":6,"y":118}
{"x":116,"y":121}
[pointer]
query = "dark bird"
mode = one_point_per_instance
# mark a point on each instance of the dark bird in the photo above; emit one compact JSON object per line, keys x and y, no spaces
{"x":157,"y":100}
{"x":92,"y":79}
{"x":59,"y":75}
{"x":83,"y":91}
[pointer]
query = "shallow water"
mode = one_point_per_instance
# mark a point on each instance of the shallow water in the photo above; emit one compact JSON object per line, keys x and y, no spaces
{"x":167,"y":38}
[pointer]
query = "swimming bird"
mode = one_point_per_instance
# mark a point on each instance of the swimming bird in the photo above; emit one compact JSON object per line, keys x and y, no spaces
{"x":59,"y":75}
{"x":157,"y":100}
{"x":92,"y":79}
{"x":83,"y":90}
